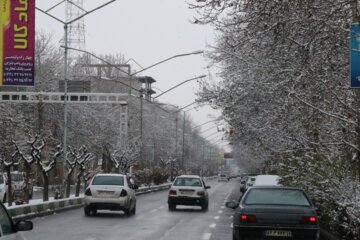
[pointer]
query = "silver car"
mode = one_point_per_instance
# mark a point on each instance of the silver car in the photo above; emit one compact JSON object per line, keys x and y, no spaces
{"x":110,"y":192}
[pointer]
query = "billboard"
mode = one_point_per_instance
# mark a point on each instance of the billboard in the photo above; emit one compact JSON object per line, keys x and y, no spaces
{"x":17,"y":42}
{"x":355,"y":55}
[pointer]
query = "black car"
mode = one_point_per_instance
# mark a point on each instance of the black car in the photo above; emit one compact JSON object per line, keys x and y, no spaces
{"x":274,"y":213}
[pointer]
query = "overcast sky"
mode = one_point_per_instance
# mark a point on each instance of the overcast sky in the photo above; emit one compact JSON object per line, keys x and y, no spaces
{"x":148,"y":31}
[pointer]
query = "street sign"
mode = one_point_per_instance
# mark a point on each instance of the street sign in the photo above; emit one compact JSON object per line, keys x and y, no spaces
{"x":355,"y":55}
{"x":17,"y":42}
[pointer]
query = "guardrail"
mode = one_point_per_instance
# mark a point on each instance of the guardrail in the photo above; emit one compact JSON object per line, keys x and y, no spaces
{"x":37,"y":209}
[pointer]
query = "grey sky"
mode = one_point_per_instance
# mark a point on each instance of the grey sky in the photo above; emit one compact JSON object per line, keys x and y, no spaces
{"x":148,"y":31}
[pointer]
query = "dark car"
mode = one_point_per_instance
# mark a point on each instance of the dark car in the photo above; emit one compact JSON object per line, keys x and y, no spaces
{"x":9,"y":229}
{"x":274,"y":213}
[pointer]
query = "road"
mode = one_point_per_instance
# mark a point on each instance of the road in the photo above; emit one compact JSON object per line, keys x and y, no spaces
{"x":152,"y":220}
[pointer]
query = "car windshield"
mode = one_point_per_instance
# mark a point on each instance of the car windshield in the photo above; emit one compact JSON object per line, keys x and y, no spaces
{"x":194,"y":182}
{"x":108,"y":180}
{"x":274,"y":196}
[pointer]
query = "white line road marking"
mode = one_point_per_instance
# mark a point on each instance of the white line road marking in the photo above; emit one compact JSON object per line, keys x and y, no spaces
{"x":231,"y":217}
{"x":220,"y":211}
{"x":232,"y":225}
{"x":154,"y":210}
{"x":222,"y":206}
{"x":213,"y":225}
{"x":217,"y":217}
{"x":206,"y":236}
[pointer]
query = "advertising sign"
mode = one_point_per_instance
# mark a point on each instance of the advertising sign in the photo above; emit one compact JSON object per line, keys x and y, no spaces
{"x":17,"y":42}
{"x":355,"y":55}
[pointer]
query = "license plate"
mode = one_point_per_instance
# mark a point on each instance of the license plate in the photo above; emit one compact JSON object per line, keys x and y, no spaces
{"x":278,"y":233}
{"x":106,"y":193}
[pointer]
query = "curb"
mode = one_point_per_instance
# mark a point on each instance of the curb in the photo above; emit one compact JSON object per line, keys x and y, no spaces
{"x":22,"y":212}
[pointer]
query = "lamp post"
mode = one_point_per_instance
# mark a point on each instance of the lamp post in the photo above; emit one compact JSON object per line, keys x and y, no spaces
{"x":66,"y":24}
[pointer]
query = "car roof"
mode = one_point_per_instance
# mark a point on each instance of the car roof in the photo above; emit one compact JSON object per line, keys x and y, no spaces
{"x":267,"y":180}
{"x":188,"y":176}
{"x":276,"y":187}
{"x":108,"y":174}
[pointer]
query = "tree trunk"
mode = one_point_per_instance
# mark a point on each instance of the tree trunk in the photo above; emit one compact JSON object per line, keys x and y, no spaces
{"x":9,"y":192}
{"x":46,"y":187}
{"x":78,"y":183}
{"x":68,"y":183}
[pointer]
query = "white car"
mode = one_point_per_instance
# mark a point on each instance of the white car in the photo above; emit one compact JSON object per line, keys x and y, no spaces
{"x":267,"y":180}
{"x":17,"y":183}
{"x":188,"y":190}
{"x":110,"y":192}
{"x":9,"y":229}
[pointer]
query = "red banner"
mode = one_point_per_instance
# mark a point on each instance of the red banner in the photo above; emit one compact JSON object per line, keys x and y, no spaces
{"x":17,"y":42}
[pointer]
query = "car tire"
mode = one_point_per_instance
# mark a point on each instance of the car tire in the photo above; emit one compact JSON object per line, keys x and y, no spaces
{"x":127,"y":212}
{"x":172,"y":207}
{"x":134,"y":210}
{"x":205,"y":206}
{"x":87,"y":211}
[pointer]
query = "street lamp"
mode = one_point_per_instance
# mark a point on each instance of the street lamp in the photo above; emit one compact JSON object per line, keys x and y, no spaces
{"x":66,"y":24}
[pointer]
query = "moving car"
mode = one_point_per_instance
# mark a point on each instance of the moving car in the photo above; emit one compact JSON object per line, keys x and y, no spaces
{"x":271,"y":212}
{"x":188,"y":190}
{"x":9,"y":229}
{"x":110,"y":192}
{"x":223,"y":177}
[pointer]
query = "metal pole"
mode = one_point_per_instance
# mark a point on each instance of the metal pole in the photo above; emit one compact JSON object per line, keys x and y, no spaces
{"x":183,"y":165}
{"x":65,"y":103}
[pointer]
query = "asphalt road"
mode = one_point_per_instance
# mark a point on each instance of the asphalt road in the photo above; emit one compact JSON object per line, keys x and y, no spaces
{"x":152,"y":220}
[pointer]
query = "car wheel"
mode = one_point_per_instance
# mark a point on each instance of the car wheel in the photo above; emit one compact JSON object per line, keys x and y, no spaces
{"x":172,"y":207}
{"x":134,"y":210}
{"x":87,"y":211}
{"x":205,"y":206}
{"x":127,"y":212}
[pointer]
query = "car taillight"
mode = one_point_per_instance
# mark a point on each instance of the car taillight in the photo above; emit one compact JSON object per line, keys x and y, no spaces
{"x":308,"y":220}
{"x":201,"y":193}
{"x":172,"y":192}
{"x":123,"y":193}
{"x":88,"y":192}
{"x":247,"y":218}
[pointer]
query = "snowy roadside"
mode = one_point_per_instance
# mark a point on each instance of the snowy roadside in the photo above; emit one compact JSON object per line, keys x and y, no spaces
{"x":37,"y":207}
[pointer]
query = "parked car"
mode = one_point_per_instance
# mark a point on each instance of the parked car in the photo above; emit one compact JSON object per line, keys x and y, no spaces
{"x":17,"y":184}
{"x":188,"y":190}
{"x":9,"y":229}
{"x":267,"y":180}
{"x":249,"y":183}
{"x":110,"y":192}
{"x":273,"y":212}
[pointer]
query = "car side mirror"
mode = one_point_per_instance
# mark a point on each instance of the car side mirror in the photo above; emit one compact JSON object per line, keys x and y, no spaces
{"x":243,"y":182}
{"x":242,"y":190}
{"x":207,"y":187}
{"x":135,"y":186}
{"x":232,"y":204}
{"x":24,"y":225}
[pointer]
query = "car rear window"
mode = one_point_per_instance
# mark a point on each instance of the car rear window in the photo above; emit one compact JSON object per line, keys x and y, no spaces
{"x":194,"y":182}
{"x":276,"y":197}
{"x":108,"y":180}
